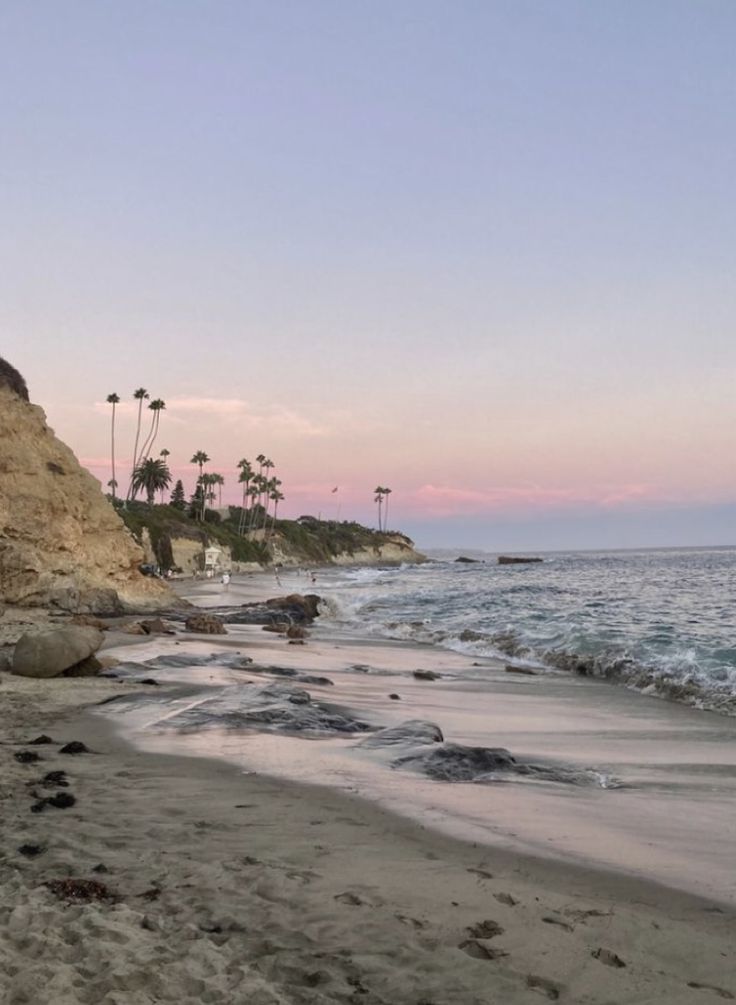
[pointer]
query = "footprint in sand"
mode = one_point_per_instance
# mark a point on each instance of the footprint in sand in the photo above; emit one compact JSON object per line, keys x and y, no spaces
{"x":480,"y":951}
{"x":487,"y":929}
{"x":721,"y":992}
{"x":544,"y":986}
{"x":483,"y":873}
{"x":608,"y":957}
{"x":350,"y":898}
{"x":549,"y":919}
{"x":506,"y":898}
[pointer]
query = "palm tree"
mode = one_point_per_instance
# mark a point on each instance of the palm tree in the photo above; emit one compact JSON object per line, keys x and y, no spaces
{"x":386,"y":494}
{"x":208,"y":495}
{"x":113,"y":399}
{"x":245,"y":476}
{"x":152,"y":476}
{"x":200,"y":459}
{"x":219,"y":481}
{"x":378,"y":498}
{"x":165,"y":454}
{"x":140,"y":394}
{"x":156,"y":406}
{"x":276,"y":497}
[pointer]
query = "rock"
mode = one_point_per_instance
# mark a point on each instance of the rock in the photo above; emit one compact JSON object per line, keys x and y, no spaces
{"x":155,"y":626}
{"x":86,"y":668}
{"x":426,"y":675}
{"x":526,"y":671}
{"x":296,"y":632}
{"x":62,"y":542}
{"x":395,"y":697}
{"x":101,"y":600}
{"x":453,"y":762}
{"x":31,"y":850}
{"x":89,"y":621}
{"x":134,"y":628}
{"x":278,"y":627}
{"x":75,"y":747}
{"x":42,"y":739}
{"x":6,"y":659}
{"x":26,"y":756}
{"x":205,"y":624}
{"x":468,"y":561}
{"x":49,"y":653}
{"x":299,"y":607}
{"x":510,"y":560}
{"x":61,"y":801}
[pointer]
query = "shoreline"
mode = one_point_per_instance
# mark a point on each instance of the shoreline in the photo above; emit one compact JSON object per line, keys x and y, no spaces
{"x":247,"y":888}
{"x":244,"y":888}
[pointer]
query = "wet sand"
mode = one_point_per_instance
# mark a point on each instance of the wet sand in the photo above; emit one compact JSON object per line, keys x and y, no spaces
{"x":236,"y":887}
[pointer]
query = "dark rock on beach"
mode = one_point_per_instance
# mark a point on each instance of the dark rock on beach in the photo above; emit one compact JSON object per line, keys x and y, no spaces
{"x":205,"y":624}
{"x":75,"y":747}
{"x":453,"y":762}
{"x":426,"y":675}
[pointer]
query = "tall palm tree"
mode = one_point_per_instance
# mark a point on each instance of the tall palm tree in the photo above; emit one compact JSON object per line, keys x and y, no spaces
{"x":208,"y":495}
{"x":386,"y":494}
{"x":156,"y":406}
{"x":219,"y":481}
{"x":113,"y":399}
{"x":200,"y":459}
{"x":140,"y":395}
{"x":151,"y":475}
{"x":276,"y":496}
{"x":245,"y":476}
{"x":378,"y":498}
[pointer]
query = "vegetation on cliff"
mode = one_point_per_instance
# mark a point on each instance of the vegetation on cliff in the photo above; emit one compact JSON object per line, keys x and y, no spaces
{"x":306,"y":540}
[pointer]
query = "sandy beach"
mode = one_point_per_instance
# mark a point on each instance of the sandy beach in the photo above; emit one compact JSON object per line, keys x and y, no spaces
{"x":225,"y":886}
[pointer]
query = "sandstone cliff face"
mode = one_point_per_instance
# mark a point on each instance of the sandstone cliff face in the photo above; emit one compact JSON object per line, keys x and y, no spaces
{"x":61,"y":542}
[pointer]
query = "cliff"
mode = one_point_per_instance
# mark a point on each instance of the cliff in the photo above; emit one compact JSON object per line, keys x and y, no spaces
{"x":61,"y":542}
{"x":173,"y":540}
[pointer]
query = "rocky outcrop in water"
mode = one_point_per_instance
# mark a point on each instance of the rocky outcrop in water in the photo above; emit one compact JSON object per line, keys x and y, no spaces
{"x":61,"y":543}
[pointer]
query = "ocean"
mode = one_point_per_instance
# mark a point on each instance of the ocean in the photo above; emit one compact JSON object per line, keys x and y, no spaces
{"x":659,"y":621}
{"x":616,"y":749}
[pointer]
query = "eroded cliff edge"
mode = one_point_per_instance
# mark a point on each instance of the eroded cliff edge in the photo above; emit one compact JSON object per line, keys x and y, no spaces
{"x":61,"y":542}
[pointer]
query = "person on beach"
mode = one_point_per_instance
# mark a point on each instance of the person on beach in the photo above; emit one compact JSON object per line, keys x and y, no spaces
{"x":226,"y":579}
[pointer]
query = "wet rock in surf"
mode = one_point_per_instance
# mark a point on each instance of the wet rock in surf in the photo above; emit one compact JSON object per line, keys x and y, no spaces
{"x":453,"y":762}
{"x":412,"y":733}
{"x":276,"y":707}
{"x":426,"y":675}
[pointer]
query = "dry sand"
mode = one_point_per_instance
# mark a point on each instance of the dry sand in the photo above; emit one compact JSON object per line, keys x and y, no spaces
{"x":233,"y":888}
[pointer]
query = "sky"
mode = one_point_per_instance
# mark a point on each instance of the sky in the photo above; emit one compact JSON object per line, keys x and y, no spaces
{"x":479,"y":251}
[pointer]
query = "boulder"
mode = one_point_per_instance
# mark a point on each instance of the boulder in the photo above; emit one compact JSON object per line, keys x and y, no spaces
{"x":426,"y":675}
{"x":100,"y":600}
{"x":299,"y":607}
{"x":85,"y":668}
{"x":49,"y":653}
{"x":155,"y":626}
{"x":205,"y":624}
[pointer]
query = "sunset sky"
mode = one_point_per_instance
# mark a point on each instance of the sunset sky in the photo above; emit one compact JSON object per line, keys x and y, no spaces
{"x":480,"y":251}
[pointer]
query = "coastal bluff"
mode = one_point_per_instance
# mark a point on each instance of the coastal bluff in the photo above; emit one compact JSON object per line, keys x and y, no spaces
{"x":62,"y":545}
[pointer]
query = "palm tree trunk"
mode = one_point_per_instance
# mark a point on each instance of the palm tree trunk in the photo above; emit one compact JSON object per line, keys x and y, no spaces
{"x":112,"y":450}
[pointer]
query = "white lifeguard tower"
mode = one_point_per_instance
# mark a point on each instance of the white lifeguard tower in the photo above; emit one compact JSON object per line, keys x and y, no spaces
{"x":212,"y":561}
